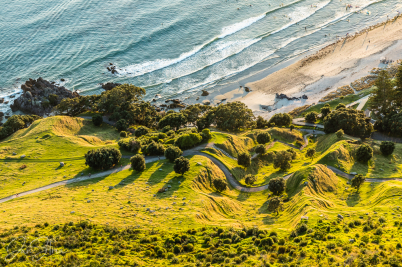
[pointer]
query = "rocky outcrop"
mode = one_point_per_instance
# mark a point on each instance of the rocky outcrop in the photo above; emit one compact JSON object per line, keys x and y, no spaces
{"x":204,"y":93}
{"x":109,"y":86}
{"x":40,"y":96}
{"x":283,"y":96}
{"x":112,"y":68}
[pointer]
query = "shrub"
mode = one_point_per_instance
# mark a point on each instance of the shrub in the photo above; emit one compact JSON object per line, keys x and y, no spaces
{"x":310,"y":153}
{"x":340,"y":133}
{"x":162,"y":136}
{"x":206,"y":134}
{"x":311,"y":117}
{"x":177,"y":249}
{"x":357,"y":181}
{"x":123,"y":134}
{"x":23,"y":166}
{"x":339,"y":106}
{"x":97,"y":120}
{"x":364,"y":153}
{"x":274,"y":204}
{"x":174,"y":120}
{"x":263,"y":138}
{"x":140,"y":131}
{"x":280,"y":119}
{"x":250,"y":179}
{"x":325,"y":111}
{"x":138,"y":163}
{"x":103,"y":158}
{"x":387,"y":148}
{"x":244,"y":159}
{"x":166,"y":129}
{"x":277,"y":186}
{"x":260,"y":149}
{"x":155,"y":149}
{"x":172,"y":153}
{"x":190,"y":140}
{"x":181,"y":165}
{"x":131,"y":145}
{"x":282,"y":160}
{"x":220,"y":184}
{"x":121,"y":125}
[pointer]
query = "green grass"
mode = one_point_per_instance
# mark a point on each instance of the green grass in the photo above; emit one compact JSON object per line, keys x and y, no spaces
{"x":45,"y":144}
{"x":346,"y":100}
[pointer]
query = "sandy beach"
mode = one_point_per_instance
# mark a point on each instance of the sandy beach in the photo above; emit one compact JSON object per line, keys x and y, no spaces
{"x":336,"y":65}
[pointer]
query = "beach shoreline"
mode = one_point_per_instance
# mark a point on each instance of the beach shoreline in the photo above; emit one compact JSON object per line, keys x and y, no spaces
{"x":314,"y":73}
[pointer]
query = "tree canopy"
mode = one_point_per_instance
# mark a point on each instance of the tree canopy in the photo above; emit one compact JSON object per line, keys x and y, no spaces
{"x":281,"y":119}
{"x":311,"y":117}
{"x":233,"y":116}
{"x":263,"y":138}
{"x":172,"y":153}
{"x":351,"y":121}
{"x":138,"y":163}
{"x":282,"y":160}
{"x":387,"y":148}
{"x":174,"y":120}
{"x":357,"y":181}
{"x":220,"y":185}
{"x":364,"y":153}
{"x":102,"y":158}
{"x":181,"y":165}
{"x":244,"y":159}
{"x":277,"y":186}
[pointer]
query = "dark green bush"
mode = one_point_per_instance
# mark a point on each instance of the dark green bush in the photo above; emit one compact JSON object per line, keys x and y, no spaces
{"x":364,"y":153}
{"x":172,"y":153}
{"x":121,"y":125}
{"x":103,"y":158}
{"x":97,"y":120}
{"x":187,"y":141}
{"x":155,"y":149}
{"x":181,"y":165}
{"x":138,"y":163}
{"x":140,"y":131}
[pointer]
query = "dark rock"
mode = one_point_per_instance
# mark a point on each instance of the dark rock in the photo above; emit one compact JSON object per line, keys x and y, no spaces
{"x":247,"y":89}
{"x":176,"y":105}
{"x":12,"y":96}
{"x":154,"y":100}
{"x":38,"y":91}
{"x":176,"y":101}
{"x":1,"y":114}
{"x":112,"y":69}
{"x":223,"y":99}
{"x":109,"y":86}
{"x":204,"y":93}
{"x":283,"y":96}
{"x":1,"y":100}
{"x":6,"y":102}
{"x":62,"y":80}
{"x":164,"y":105}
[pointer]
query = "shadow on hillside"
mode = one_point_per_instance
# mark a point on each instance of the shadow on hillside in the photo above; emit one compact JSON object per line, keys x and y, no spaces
{"x":353,"y":199}
{"x":243,"y":196}
{"x":175,"y":185}
{"x":360,"y":168}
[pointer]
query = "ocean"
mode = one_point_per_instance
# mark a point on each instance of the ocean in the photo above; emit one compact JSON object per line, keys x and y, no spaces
{"x":170,"y":47}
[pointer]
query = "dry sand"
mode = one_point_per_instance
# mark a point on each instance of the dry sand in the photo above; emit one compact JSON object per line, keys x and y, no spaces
{"x":335,"y":65}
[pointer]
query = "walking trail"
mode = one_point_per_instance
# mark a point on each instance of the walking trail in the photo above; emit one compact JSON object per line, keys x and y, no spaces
{"x":194,"y":151}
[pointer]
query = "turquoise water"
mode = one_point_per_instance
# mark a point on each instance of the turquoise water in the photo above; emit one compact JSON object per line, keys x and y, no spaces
{"x":171,"y":47}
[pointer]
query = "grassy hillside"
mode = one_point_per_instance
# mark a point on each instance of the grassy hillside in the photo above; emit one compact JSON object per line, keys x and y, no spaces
{"x":45,"y":144}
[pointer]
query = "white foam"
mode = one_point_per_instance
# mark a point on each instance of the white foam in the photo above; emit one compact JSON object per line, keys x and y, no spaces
{"x":150,"y":66}
{"x":240,"y":26}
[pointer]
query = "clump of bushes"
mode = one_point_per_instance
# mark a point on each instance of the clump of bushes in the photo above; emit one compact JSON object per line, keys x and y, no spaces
{"x":131,"y":145}
{"x":103,"y":158}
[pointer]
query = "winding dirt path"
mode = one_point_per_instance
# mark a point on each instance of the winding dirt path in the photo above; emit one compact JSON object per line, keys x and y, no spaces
{"x":194,"y":151}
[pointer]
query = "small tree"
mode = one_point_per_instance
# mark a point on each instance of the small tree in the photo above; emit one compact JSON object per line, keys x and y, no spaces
{"x":274,"y":205}
{"x":142,"y":130}
{"x":138,"y":163}
{"x":155,"y":149}
{"x":181,"y":165}
{"x":340,"y":133}
{"x":123,"y":134}
{"x":387,"y":148}
{"x":244,"y":159}
{"x":206,"y":134}
{"x":339,"y":106}
{"x":291,"y":127}
{"x":364,"y":153}
{"x":311,"y":117}
{"x":357,"y":181}
{"x":250,"y":179}
{"x":172,"y":153}
{"x":121,"y":125}
{"x":261,"y":122}
{"x":263,"y":138}
{"x":220,"y":185}
{"x":282,"y":160}
{"x":97,"y":120}
{"x":103,"y":158}
{"x":260,"y":149}
{"x":277,"y":186}
{"x":310,"y":153}
{"x":325,"y":111}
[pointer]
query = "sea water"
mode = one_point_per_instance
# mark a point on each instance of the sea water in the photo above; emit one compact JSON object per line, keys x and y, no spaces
{"x":169,"y":47}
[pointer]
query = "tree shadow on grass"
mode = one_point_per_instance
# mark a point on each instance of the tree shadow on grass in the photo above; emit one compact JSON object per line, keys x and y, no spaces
{"x":353,"y":199}
{"x":175,"y":185}
{"x":243,"y":196}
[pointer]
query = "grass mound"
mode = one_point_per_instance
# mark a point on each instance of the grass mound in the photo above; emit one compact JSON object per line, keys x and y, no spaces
{"x":339,"y":155}
{"x":314,"y":180}
{"x":235,"y":145}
